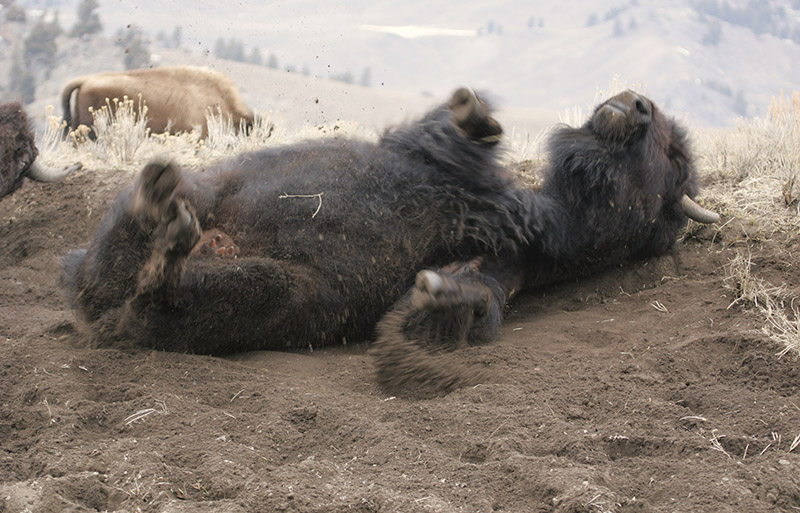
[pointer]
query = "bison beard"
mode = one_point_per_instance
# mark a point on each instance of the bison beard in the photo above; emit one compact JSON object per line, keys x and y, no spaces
{"x":425,"y":220}
{"x":18,"y":152}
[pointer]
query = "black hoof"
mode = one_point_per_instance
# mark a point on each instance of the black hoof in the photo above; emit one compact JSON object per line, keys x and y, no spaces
{"x":157,"y":182}
{"x":182,"y":230}
{"x":434,"y":290}
{"x":472,"y":116}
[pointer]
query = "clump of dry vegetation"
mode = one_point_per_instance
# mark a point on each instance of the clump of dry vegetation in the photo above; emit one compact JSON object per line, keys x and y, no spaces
{"x":777,"y":305}
{"x":753,"y":174}
{"x":757,"y":166}
{"x":120,"y":129}
{"x":122,"y":140}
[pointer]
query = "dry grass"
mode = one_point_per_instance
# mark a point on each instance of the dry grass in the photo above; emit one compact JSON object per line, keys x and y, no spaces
{"x":121,"y":129}
{"x":757,"y":166}
{"x":753,"y":175}
{"x":123,"y":141}
{"x":776,"y":305}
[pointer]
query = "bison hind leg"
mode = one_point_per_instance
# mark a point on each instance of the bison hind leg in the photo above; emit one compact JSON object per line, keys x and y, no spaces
{"x":154,"y":190}
{"x":443,"y":311}
{"x":176,"y":231}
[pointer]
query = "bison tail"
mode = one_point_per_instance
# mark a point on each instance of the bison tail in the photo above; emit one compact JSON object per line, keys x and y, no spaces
{"x":66,"y":100}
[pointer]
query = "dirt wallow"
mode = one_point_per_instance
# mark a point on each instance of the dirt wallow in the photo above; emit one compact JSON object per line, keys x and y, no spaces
{"x":639,"y":388}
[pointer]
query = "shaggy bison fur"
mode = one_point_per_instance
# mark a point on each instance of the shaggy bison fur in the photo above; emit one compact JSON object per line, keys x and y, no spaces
{"x":618,"y":187}
{"x":313,"y":243}
{"x":18,"y":152}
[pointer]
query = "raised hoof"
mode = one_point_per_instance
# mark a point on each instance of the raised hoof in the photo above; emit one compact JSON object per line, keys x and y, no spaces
{"x":182,"y":231}
{"x":472,"y":116}
{"x":433,"y":290}
{"x":217,"y":244}
{"x":157,"y":182}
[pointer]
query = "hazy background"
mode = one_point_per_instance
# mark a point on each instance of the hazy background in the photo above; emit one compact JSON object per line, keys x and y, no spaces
{"x":710,"y":61}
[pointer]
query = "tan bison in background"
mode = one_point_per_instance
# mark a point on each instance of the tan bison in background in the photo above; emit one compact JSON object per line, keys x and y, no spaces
{"x":177,"y":98}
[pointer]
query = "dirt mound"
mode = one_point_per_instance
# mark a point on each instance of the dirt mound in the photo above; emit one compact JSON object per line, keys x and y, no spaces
{"x":637,"y":390}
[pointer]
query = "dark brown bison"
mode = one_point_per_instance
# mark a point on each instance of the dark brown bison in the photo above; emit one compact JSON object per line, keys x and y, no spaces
{"x":177,"y":98}
{"x":313,"y":243}
{"x":619,"y":187}
{"x":18,"y":152}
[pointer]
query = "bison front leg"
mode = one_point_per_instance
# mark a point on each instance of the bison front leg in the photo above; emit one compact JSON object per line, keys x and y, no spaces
{"x":446,"y":309}
{"x":175,"y":234}
{"x":136,"y":262}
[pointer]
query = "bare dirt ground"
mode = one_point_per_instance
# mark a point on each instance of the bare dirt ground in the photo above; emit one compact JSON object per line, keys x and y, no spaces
{"x":636,"y":390}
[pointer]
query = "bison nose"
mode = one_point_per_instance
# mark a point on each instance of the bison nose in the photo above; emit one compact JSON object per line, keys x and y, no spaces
{"x":632,"y":103}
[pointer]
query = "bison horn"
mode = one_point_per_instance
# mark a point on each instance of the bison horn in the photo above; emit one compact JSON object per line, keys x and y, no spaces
{"x":49,"y":174}
{"x":696,"y":212}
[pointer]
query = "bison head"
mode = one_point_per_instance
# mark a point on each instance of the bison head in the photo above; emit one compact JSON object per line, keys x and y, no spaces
{"x":630,"y":122}
{"x":18,"y":152}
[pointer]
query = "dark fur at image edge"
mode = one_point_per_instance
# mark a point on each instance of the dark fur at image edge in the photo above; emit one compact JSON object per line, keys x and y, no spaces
{"x":16,"y":142}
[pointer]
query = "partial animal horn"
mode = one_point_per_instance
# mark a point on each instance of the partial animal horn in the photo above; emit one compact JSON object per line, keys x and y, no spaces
{"x":48,"y":174}
{"x":696,"y":212}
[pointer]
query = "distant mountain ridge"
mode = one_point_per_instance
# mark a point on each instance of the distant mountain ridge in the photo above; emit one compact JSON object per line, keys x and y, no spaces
{"x":709,"y":60}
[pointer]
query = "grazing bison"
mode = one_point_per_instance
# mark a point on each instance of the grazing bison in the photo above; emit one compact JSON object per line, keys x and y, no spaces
{"x":177,"y":98}
{"x":18,"y":152}
{"x":313,"y":243}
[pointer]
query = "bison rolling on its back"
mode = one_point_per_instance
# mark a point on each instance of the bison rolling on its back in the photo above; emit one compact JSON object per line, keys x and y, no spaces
{"x":312,"y":243}
{"x":618,"y":187}
{"x":18,"y":152}
{"x":177,"y":98}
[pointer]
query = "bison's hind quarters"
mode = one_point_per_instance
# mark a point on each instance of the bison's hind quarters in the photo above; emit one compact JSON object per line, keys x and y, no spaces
{"x":414,"y":352}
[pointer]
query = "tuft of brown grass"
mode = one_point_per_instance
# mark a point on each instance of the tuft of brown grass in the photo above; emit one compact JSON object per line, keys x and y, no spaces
{"x":121,"y":128}
{"x":776,"y":305}
{"x":757,"y":166}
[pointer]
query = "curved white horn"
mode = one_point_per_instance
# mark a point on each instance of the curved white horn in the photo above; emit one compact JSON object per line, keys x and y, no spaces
{"x":49,"y":174}
{"x":696,"y":212}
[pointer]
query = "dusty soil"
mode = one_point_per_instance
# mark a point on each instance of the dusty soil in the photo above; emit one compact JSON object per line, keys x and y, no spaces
{"x":637,"y":390}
